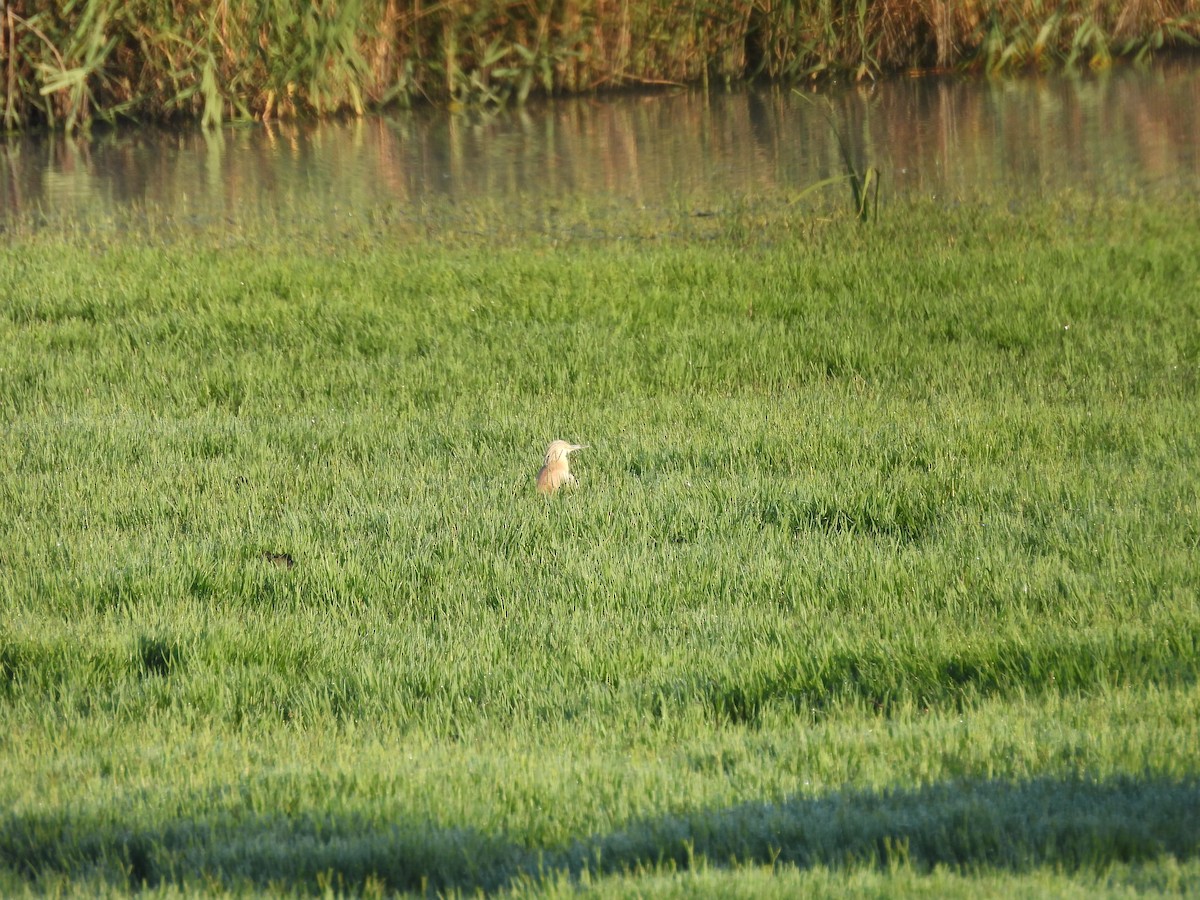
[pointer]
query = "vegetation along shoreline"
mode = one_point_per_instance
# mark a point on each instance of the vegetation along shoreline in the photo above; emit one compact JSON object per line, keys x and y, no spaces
{"x":69,"y":65}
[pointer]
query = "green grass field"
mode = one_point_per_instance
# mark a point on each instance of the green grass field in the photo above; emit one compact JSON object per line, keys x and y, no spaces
{"x":881,"y":576}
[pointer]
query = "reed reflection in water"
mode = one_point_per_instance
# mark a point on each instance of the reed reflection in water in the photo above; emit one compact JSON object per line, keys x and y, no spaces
{"x":952,"y":138}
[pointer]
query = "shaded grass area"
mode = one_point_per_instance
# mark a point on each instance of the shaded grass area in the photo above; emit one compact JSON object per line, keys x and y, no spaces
{"x":957,"y":826}
{"x":292,"y":809}
{"x":881,"y":570}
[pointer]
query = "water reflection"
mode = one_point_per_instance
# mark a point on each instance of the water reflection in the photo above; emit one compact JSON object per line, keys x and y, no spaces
{"x":1121,"y":131}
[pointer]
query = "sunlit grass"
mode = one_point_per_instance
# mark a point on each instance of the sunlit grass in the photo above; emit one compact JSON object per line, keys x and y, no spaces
{"x":881,"y":568}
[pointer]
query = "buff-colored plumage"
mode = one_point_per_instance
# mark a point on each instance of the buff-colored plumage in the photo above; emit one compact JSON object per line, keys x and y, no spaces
{"x":556,"y":470}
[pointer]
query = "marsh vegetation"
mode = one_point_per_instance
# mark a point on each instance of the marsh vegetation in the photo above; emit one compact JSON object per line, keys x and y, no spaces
{"x":69,"y":64}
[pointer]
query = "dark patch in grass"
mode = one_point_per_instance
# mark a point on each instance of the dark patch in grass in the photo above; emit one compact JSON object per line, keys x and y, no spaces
{"x":964,"y":672}
{"x":138,"y":854}
{"x":117,"y":588}
{"x":215,"y":446}
{"x":41,"y":671}
{"x":738,"y":704}
{"x":201,"y":586}
{"x":957,"y":680}
{"x":157,"y":656}
{"x":12,"y":666}
{"x":224,"y":391}
{"x":908,"y":519}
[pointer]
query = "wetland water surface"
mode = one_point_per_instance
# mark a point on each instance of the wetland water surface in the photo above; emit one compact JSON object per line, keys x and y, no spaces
{"x":1124,"y":130}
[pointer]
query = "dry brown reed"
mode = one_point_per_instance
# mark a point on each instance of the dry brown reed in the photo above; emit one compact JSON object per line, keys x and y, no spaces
{"x":71,"y":63}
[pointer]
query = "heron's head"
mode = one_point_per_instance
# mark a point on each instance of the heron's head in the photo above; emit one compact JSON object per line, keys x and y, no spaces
{"x":561,"y":450}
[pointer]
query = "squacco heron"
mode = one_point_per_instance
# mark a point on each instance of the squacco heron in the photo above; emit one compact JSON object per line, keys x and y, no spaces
{"x":556,"y":470}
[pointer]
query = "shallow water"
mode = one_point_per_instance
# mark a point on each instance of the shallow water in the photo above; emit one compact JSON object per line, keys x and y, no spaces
{"x":1118,"y":131}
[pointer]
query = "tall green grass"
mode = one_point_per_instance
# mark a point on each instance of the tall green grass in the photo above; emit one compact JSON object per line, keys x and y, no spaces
{"x":71,"y":63}
{"x":880,"y":574}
